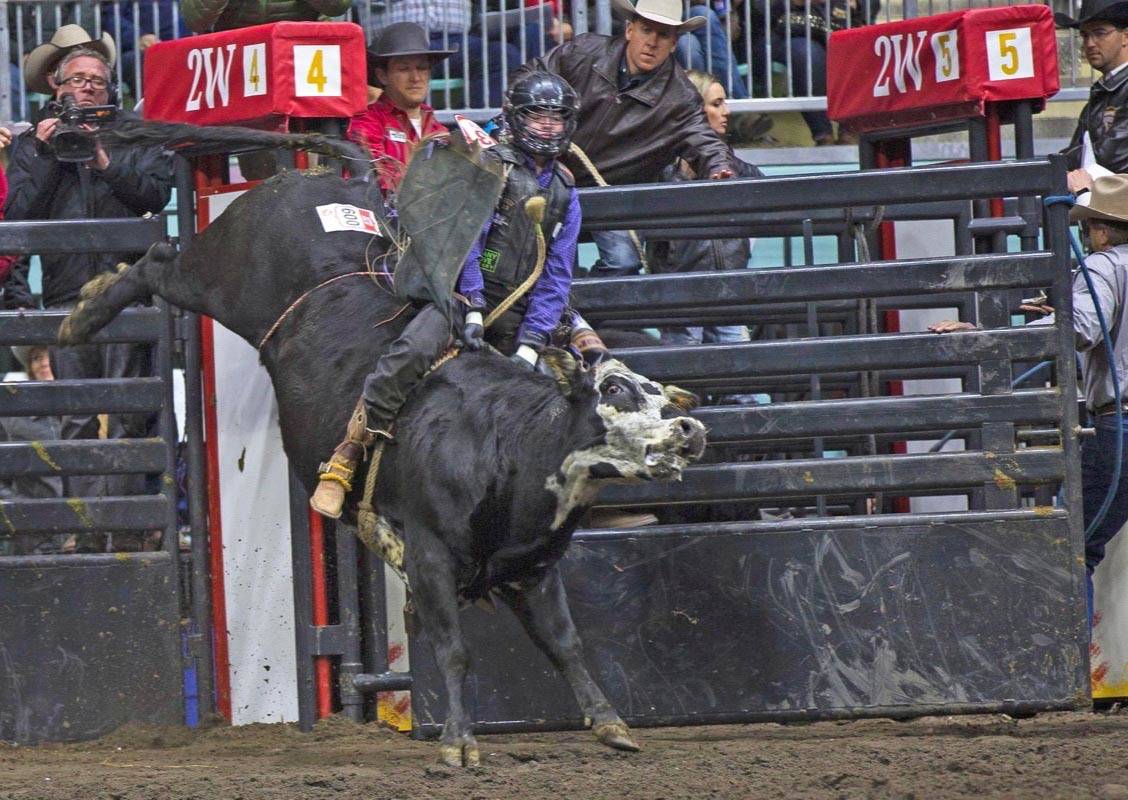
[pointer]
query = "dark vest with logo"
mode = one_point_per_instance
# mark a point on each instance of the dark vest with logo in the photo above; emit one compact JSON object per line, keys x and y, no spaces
{"x":510,"y":252}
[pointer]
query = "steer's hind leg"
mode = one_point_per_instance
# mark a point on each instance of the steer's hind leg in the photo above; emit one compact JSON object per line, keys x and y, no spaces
{"x":542,"y":609}
{"x":430,"y":570}
{"x":105,"y":295}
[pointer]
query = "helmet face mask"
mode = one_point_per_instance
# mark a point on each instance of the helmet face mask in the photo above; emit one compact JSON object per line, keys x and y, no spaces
{"x":540,"y":112}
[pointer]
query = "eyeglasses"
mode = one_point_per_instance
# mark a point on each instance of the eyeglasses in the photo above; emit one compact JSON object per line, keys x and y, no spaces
{"x":1098,"y":33}
{"x":78,"y":81}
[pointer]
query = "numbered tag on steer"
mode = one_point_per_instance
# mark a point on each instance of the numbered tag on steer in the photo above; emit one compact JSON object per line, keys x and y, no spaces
{"x":341,"y":217}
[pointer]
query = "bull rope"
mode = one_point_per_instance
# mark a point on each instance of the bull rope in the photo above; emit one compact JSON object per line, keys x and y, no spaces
{"x":578,"y":152}
{"x":308,"y":292}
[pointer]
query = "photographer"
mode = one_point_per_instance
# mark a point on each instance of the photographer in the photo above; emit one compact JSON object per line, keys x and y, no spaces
{"x":59,"y":170}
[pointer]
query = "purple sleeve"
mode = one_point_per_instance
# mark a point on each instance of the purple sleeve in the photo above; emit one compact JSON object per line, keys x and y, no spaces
{"x":470,"y":284}
{"x":550,"y":293}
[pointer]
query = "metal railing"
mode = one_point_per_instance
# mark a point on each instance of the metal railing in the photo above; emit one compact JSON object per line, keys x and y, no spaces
{"x":774,"y":62}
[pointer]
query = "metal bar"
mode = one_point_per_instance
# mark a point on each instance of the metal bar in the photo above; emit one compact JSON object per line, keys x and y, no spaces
{"x":197,"y":476}
{"x":650,"y":294}
{"x":109,"y":396}
{"x":611,"y":207}
{"x":348,"y":605}
{"x":42,"y":237}
{"x":42,"y":327}
{"x":860,"y":475}
{"x":837,"y":354}
{"x":303,"y":603}
{"x":82,"y":457}
{"x":893,"y":414}
{"x":83,"y":514}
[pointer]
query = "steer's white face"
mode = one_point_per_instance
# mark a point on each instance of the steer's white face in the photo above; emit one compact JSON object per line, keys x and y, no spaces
{"x":647,"y":438}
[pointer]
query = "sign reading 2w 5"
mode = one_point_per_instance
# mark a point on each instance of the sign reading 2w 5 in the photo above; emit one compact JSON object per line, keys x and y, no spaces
{"x":257,"y":75}
{"x":940,"y":68}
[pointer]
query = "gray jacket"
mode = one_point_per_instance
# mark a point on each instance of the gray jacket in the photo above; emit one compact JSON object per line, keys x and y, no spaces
{"x":1109,"y":271}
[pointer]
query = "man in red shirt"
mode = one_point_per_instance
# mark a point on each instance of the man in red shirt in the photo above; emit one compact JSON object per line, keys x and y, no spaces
{"x":401,"y":62}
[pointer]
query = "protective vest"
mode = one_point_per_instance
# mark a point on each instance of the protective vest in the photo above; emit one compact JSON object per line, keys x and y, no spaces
{"x":510,"y":252}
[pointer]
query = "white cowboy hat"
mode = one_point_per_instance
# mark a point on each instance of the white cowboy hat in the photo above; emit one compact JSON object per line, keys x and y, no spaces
{"x":1108,"y":200}
{"x":665,"y":12}
{"x":42,"y":61}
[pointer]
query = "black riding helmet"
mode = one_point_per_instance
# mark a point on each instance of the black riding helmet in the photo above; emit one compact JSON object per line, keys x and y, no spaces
{"x":540,"y":92}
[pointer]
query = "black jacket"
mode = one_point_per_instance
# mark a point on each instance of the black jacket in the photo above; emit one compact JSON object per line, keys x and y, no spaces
{"x":1105,"y":117}
{"x":138,"y":180}
{"x":701,"y":255}
{"x":631,"y":136}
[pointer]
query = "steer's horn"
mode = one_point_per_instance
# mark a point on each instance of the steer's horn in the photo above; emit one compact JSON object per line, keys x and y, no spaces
{"x":534,"y":209}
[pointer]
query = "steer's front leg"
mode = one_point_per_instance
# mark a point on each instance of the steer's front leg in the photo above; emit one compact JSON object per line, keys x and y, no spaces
{"x":430,"y":569}
{"x":542,"y":608}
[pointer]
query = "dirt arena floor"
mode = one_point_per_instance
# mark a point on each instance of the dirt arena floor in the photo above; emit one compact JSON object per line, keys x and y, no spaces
{"x":1072,"y":756}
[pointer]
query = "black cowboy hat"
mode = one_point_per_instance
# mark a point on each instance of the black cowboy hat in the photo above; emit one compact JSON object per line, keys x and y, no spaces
{"x":404,"y":39}
{"x":1114,"y":11}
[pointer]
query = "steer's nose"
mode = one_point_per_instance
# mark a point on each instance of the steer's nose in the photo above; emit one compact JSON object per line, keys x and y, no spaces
{"x":693,"y":437}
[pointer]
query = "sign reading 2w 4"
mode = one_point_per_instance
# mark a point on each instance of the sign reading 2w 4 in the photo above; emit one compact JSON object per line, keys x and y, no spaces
{"x":941,"y":67}
{"x":257,"y":75}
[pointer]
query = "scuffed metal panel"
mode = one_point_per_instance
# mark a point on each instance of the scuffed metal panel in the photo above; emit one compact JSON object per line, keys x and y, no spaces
{"x":787,"y":622}
{"x":87,"y":643}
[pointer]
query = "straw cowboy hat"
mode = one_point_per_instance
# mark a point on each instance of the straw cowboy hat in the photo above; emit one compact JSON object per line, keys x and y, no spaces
{"x":666,"y":12}
{"x":1108,"y":200}
{"x":42,"y":60}
{"x":1114,"y":11}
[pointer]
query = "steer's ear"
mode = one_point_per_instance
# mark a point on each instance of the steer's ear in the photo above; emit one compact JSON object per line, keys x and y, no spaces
{"x":686,"y":401}
{"x":560,"y":364}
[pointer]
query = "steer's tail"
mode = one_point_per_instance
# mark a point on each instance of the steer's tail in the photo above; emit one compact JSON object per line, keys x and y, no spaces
{"x":220,"y":139}
{"x":104,"y":296}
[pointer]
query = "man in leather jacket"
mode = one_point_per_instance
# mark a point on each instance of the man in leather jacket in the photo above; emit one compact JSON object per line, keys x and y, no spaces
{"x":540,"y":117}
{"x":638,"y":111}
{"x":1100,"y":142}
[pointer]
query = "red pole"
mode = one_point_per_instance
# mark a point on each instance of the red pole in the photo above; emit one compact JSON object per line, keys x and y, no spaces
{"x":893,"y":153}
{"x":321,"y":664}
{"x":215,"y":528}
{"x":994,"y":150}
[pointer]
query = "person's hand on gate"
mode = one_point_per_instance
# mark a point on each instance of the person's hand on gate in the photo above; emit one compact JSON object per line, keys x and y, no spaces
{"x":950,"y":325}
{"x":1079,"y":180}
{"x":721,"y":174}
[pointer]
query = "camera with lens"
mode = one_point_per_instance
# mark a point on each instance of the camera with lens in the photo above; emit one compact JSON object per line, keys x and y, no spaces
{"x":75,"y":137}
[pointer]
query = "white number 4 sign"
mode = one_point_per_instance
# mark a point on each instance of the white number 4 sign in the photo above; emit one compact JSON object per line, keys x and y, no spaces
{"x":317,"y":70}
{"x":1009,"y":54}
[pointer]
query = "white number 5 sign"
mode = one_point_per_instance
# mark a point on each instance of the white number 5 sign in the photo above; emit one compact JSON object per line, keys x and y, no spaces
{"x":1009,"y":54}
{"x":317,"y":70}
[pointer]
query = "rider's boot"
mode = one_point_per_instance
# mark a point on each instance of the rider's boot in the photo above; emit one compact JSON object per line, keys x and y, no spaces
{"x":335,"y":475}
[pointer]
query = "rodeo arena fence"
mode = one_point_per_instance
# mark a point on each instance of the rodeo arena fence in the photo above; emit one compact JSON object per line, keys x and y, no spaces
{"x":761,"y":69}
{"x":887,"y":521}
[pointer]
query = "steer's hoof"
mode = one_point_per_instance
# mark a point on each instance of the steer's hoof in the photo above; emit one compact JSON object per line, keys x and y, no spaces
{"x":617,"y":735}
{"x":460,"y":755}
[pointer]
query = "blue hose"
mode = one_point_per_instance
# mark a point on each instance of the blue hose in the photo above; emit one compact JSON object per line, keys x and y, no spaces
{"x":1115,"y":483}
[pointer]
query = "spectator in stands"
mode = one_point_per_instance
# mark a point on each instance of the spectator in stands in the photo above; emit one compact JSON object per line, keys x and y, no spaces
{"x":204,"y":16}
{"x":704,"y":255}
{"x":799,"y":34}
{"x":638,"y":111}
{"x":451,"y":26}
{"x":400,"y":61}
{"x":116,"y":182}
{"x":156,"y":22}
{"x":1100,"y":142}
{"x":1106,"y":218}
{"x":36,"y":364}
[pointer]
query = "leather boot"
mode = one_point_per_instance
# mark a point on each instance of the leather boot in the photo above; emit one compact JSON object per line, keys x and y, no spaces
{"x":335,"y":475}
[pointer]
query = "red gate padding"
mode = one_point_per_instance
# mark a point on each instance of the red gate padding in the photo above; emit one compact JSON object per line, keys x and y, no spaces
{"x":940,"y":68}
{"x":259,"y":76}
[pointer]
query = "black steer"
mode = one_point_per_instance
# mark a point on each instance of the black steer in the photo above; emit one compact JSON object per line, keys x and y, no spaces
{"x":492,"y":466}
